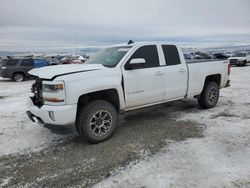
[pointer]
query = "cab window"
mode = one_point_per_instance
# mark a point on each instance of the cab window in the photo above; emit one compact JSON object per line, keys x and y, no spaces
{"x":171,"y":55}
{"x":149,"y":53}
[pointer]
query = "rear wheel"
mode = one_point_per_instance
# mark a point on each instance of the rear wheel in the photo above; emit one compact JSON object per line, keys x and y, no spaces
{"x":96,"y":122}
{"x":241,"y":63}
{"x":18,"y":77}
{"x":245,"y":63}
{"x":238,"y":63}
{"x":209,"y":96}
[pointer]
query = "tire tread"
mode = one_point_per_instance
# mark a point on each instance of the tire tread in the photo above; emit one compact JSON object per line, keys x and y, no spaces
{"x":83,"y":114}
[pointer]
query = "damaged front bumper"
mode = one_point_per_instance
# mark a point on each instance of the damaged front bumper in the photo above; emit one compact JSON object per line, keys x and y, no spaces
{"x":34,"y":118}
{"x":48,"y":114}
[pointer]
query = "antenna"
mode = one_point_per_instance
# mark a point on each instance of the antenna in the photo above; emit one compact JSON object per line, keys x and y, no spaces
{"x":130,"y":42}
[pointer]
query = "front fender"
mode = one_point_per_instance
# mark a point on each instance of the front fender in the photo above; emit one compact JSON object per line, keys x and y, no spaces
{"x":77,"y":88}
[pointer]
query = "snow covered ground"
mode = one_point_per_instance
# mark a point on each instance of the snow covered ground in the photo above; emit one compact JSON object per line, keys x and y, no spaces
{"x":220,"y":159}
{"x":17,"y":133}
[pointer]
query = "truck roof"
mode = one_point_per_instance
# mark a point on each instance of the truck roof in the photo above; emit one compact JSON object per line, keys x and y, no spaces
{"x":144,"y":43}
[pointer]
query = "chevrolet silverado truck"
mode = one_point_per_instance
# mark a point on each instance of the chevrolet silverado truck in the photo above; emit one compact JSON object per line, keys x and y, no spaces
{"x":240,"y":58}
{"x":118,"y":79}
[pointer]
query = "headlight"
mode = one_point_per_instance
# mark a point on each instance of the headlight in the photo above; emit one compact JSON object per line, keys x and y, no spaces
{"x":52,"y":87}
{"x":53,"y":92}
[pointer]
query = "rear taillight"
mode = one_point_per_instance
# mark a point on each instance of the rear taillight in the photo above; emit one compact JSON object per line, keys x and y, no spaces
{"x":229,"y":69}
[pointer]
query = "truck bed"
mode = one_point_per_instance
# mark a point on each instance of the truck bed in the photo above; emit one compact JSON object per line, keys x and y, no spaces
{"x":203,"y":60}
{"x":198,"y":73}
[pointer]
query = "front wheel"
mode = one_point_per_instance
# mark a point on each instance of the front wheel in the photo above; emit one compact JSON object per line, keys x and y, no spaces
{"x":96,"y":122}
{"x":209,"y":96}
{"x":18,"y":77}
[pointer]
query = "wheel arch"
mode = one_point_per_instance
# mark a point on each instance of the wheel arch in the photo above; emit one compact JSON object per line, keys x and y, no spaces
{"x":213,"y":78}
{"x":110,"y":95}
{"x":15,"y":72}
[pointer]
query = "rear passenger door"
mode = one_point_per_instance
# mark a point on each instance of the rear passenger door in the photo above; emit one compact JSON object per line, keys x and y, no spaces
{"x":26,"y":65}
{"x":144,"y":84}
{"x":12,"y":67}
{"x":176,"y":77}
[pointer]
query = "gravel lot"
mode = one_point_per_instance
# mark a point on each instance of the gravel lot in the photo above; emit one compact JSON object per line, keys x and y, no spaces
{"x":75,"y":162}
{"x":31,"y":155}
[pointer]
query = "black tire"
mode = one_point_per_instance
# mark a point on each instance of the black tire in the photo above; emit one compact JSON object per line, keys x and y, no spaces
{"x":245,"y":63}
{"x":18,"y":77}
{"x":209,"y":96}
{"x":238,"y":63}
{"x":241,"y":63}
{"x":96,"y":122}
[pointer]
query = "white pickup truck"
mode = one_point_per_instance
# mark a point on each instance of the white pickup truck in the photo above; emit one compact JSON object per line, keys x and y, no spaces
{"x":118,"y":79}
{"x":240,"y":58}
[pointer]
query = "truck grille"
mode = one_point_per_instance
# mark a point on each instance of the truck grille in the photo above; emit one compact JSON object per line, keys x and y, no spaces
{"x":36,"y":89}
{"x":233,"y":61}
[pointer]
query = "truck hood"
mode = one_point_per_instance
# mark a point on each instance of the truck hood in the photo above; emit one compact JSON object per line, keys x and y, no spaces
{"x":51,"y":72}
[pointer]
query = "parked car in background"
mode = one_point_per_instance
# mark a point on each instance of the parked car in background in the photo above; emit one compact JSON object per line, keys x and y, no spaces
{"x":80,"y":57}
{"x":76,"y":61}
{"x":220,"y":56}
{"x":203,"y":55}
{"x":240,"y":58}
{"x":73,"y":59}
{"x":196,"y":56}
{"x":53,"y":61}
{"x":228,"y":54}
{"x":86,"y":56}
{"x":188,"y":56}
{"x":17,"y":69}
{"x":65,"y":60}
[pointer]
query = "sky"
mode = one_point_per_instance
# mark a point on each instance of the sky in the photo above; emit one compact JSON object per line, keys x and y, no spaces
{"x":27,"y":25}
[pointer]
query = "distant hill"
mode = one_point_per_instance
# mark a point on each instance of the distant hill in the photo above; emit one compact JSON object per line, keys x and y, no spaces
{"x":59,"y":51}
{"x":6,"y":53}
{"x":219,"y":49}
{"x":229,"y":48}
{"x":90,"y":51}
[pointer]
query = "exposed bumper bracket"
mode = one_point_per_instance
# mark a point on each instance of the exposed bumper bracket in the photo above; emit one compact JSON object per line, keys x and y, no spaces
{"x":34,"y":118}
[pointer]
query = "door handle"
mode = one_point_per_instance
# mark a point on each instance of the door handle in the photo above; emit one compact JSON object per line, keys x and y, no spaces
{"x":159,"y":73}
{"x":182,"y":70}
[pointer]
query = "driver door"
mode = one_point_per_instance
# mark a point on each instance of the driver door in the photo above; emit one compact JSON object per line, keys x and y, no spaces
{"x":144,"y":84}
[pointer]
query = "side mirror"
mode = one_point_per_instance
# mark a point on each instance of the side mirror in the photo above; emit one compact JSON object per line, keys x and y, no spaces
{"x":135,"y":63}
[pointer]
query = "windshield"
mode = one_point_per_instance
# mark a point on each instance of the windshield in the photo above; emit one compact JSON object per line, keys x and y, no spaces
{"x":239,"y":54}
{"x":109,"y":57}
